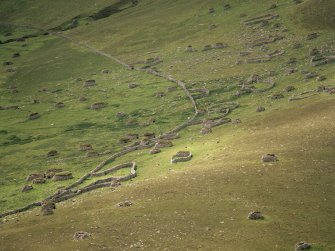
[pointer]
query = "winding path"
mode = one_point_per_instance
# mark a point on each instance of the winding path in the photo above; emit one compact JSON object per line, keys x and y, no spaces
{"x":68,"y":193}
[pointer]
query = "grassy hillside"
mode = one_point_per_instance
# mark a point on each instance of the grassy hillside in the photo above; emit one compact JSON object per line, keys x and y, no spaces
{"x":201,"y":204}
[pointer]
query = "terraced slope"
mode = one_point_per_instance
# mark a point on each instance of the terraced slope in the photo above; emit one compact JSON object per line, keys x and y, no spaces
{"x":235,"y":81}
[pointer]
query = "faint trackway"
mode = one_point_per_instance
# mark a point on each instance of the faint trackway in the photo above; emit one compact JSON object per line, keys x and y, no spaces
{"x":68,"y":193}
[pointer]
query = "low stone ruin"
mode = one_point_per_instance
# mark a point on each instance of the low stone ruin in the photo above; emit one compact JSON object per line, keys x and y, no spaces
{"x":97,"y":106}
{"x":39,"y":181}
{"x":276,"y":96}
{"x":89,"y":83}
{"x":105,"y":71}
{"x":311,"y":36}
{"x":207,"y":47}
{"x":91,"y":154}
{"x":86,"y":147}
{"x":160,"y":94}
{"x":7,"y":63}
{"x":205,"y":130}
{"x":155,"y":151}
{"x":255,"y":216}
{"x":289,"y":88}
{"x":290,"y":70}
{"x":266,"y":40}
{"x":81,"y":235}
{"x":33,"y":176}
{"x":169,"y":136}
{"x":129,"y":137}
{"x":219,"y":45}
{"x":48,"y":208}
{"x":260,"y":19}
{"x":27,"y":188}
{"x":126,"y":203}
{"x":309,"y":75}
{"x":149,"y":135}
{"x":16,"y":55}
{"x":317,"y":58}
{"x":59,"y":105}
{"x":9,"y":107}
{"x":270,"y":157}
{"x":33,"y":116}
{"x":82,"y":99}
{"x":302,"y":245}
{"x":199,"y":92}
{"x":62,"y":176}
{"x":50,"y":173}
{"x":244,"y":53}
{"x":211,"y":10}
{"x":273,"y":6}
{"x":52,"y":153}
{"x":132,"y":85}
{"x":163,"y":143}
{"x":181,"y":156}
{"x":260,"y":109}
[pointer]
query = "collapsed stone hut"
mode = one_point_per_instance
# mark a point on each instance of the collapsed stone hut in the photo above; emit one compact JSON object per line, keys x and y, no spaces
{"x":89,"y":83}
{"x":97,"y":106}
{"x":62,"y":176}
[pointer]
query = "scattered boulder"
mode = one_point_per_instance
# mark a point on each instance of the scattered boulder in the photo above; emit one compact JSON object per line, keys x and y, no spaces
{"x":48,"y":208}
{"x":81,"y":235}
{"x":302,"y":245}
{"x":52,"y":153}
{"x":289,"y":88}
{"x":33,"y":116}
{"x":189,"y":48}
{"x":126,"y":203}
{"x":273,"y":6}
{"x":10,"y":70}
{"x":16,"y":55}
{"x":244,"y":53}
{"x":155,"y":151}
{"x":133,"y":85}
{"x":62,"y":176}
{"x":311,"y":36}
{"x":97,"y":106}
{"x":255,"y":216}
{"x":86,"y":147}
{"x":260,"y":109}
{"x":7,"y":63}
{"x":181,"y":156}
{"x":89,"y":83}
{"x":60,"y":105}
{"x":27,"y":188}
{"x":51,"y":172}
{"x":270,"y":157}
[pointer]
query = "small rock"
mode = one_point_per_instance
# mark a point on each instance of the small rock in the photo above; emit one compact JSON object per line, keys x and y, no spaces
{"x":302,"y":246}
{"x":27,"y":188}
{"x":81,"y":235}
{"x":126,"y":203}
{"x":270,"y":157}
{"x":255,"y":216}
